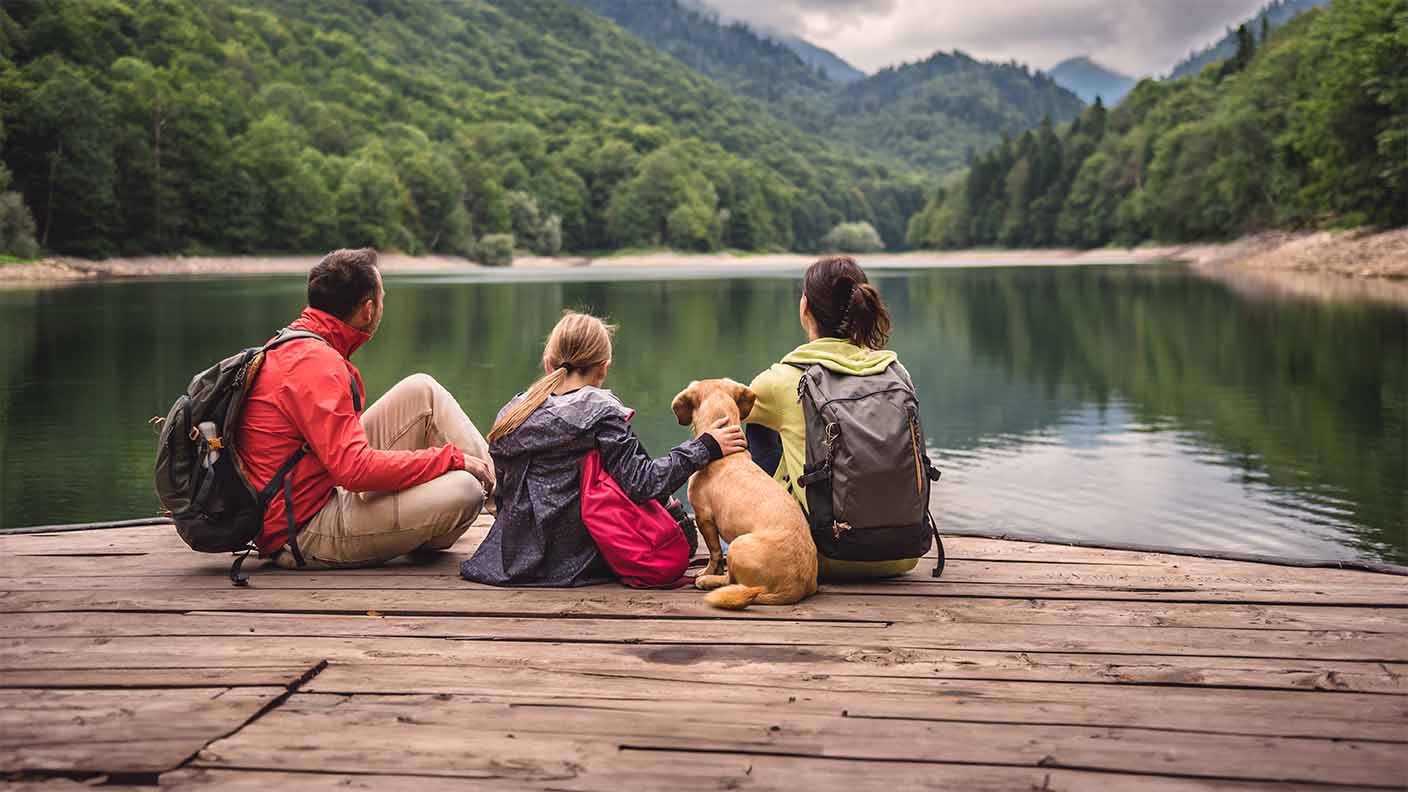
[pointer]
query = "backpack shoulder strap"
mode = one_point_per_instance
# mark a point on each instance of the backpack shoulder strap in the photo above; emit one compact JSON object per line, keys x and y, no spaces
{"x":289,"y":334}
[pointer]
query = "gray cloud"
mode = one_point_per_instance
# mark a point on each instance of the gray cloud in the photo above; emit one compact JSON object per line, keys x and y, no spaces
{"x":1140,"y":37}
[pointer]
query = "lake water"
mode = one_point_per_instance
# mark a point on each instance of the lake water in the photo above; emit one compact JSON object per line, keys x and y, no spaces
{"x":1112,"y":404}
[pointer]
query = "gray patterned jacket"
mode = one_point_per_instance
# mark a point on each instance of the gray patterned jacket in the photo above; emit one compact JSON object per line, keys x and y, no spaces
{"x":538,"y":538}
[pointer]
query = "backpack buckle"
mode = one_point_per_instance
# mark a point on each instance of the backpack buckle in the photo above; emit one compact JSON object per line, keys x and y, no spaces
{"x":838,"y":528}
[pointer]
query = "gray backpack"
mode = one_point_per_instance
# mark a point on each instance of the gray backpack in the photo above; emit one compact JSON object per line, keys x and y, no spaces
{"x":867,"y":475}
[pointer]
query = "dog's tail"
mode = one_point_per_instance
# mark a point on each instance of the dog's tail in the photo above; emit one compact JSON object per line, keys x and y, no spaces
{"x":733,"y":597}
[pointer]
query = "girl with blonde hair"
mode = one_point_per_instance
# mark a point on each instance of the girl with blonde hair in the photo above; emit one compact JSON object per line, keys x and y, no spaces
{"x":538,"y":443}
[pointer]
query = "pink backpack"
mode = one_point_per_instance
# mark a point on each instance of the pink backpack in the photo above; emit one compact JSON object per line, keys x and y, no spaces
{"x":640,"y":541}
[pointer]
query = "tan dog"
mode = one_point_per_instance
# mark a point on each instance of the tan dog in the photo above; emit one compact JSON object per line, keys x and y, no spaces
{"x":771,"y":557}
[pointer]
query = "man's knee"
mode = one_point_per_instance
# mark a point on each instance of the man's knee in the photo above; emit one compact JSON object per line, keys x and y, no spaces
{"x":421,"y":387}
{"x":466,"y":494}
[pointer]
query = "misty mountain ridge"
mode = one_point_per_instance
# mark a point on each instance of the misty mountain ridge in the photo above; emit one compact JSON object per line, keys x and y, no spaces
{"x":932,"y":113}
{"x":1275,"y":14}
{"x":831,"y":65}
{"x":1087,"y":79}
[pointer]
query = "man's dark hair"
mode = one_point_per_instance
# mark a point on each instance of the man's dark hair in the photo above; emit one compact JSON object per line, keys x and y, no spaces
{"x":343,"y":280}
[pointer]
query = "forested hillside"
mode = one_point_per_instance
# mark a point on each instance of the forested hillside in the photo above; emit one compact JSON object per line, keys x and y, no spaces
{"x":938,"y":112}
{"x":732,"y":54}
{"x":1274,"y":15}
{"x":1309,"y":129}
{"x":139,"y":126}
{"x":932,"y":113}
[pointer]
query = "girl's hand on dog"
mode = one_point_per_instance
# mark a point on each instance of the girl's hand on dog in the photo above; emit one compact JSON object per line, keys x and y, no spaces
{"x":729,"y":437}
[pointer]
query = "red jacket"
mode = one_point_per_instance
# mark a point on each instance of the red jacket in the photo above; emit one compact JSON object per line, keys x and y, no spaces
{"x":303,"y":394}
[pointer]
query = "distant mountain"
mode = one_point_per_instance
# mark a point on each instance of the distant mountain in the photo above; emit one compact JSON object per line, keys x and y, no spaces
{"x":931,"y":114}
{"x":1087,"y":79}
{"x":1276,"y":14}
{"x":831,"y":64}
{"x":938,"y":111}
{"x":731,"y":54}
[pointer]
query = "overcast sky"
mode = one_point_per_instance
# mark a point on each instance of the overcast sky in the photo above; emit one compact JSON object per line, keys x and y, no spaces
{"x":1138,"y":37}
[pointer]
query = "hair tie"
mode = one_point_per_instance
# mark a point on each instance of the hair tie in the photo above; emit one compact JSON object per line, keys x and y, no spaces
{"x":843,"y":327}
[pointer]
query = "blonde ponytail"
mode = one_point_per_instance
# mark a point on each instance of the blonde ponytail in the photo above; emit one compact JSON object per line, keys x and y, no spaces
{"x":579,"y":342}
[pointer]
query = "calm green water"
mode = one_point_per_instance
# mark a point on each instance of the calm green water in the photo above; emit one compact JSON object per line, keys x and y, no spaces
{"x":1118,"y":404}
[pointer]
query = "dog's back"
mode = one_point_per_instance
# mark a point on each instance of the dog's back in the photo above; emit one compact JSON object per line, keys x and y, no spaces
{"x":771,"y":559}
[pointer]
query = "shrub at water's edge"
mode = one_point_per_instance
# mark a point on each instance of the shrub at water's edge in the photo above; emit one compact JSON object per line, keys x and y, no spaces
{"x":1308,"y":130}
{"x":852,"y":238}
{"x":494,"y":250}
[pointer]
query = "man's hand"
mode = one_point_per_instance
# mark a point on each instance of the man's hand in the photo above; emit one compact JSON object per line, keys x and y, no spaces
{"x":729,"y":437}
{"x":483,"y":471}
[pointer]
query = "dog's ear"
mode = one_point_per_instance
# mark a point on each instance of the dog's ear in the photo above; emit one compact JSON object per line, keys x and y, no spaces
{"x":745,"y":397}
{"x":684,"y":405}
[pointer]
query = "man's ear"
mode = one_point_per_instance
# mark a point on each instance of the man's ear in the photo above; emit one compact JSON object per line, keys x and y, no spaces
{"x":745,"y":397}
{"x":684,"y":405}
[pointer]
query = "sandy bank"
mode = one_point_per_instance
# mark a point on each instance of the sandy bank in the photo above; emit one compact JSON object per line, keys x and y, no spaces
{"x":75,"y":269}
{"x":1346,"y":255}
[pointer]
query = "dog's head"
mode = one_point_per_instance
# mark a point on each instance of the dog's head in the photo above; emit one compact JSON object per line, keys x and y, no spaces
{"x":709,"y":400}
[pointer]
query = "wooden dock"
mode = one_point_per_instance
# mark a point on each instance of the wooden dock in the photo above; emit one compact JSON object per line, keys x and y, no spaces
{"x":125,"y":656}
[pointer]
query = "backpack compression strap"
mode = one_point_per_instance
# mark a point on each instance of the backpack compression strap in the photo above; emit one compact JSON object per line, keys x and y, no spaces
{"x":284,"y":480}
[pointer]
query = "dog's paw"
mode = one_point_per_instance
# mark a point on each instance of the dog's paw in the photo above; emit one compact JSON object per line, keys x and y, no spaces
{"x":709,"y":582}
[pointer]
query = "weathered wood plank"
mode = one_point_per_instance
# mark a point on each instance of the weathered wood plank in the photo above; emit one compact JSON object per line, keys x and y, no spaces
{"x":469,"y":622}
{"x":607,"y":768}
{"x":1243,"y":712}
{"x":140,"y":731}
{"x":834,"y":605}
{"x":98,"y":562}
{"x":452,"y":735}
{"x":843,"y":666}
{"x":974,"y":559}
{"x":194,"y":677}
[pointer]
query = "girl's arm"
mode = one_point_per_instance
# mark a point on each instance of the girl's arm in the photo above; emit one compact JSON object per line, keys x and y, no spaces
{"x":642,"y":478}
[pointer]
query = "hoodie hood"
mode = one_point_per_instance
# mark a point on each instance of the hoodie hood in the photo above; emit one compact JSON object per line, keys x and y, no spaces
{"x":842,"y":357}
{"x":562,"y":423}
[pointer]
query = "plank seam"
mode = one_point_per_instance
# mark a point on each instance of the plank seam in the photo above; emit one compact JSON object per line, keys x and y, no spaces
{"x":272,"y":705}
{"x":1130,"y":727}
{"x":1047,"y":761}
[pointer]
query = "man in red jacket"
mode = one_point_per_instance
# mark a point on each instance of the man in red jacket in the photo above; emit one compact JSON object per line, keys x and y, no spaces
{"x":410,"y":473}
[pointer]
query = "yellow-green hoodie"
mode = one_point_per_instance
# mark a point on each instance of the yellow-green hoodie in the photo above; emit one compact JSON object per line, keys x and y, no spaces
{"x":778,"y":409}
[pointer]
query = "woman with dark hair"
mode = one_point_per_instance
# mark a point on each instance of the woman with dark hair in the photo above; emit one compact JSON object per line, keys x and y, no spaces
{"x":847,"y":327}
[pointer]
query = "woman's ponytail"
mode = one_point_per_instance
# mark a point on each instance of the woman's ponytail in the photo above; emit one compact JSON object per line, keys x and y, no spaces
{"x":535,"y":397}
{"x":844,"y":303}
{"x":868,"y":320}
{"x":579,"y":342}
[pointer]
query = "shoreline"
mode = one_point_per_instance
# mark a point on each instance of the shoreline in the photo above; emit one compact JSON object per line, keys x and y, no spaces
{"x":1306,"y":262}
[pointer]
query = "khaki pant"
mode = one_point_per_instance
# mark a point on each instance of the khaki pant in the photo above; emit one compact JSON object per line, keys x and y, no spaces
{"x":370,"y":528}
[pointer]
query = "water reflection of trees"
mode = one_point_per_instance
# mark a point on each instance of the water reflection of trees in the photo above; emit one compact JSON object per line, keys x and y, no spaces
{"x":1313,"y":394}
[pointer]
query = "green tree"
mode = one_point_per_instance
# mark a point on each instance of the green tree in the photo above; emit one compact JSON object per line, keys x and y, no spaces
{"x":371,"y":203}
{"x":63,"y":156}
